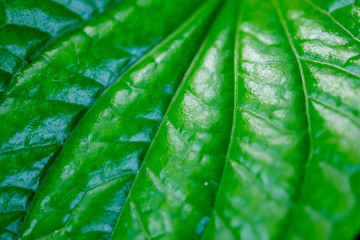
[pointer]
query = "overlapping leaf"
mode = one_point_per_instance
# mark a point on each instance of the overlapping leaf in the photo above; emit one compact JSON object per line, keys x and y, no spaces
{"x":47,"y":97}
{"x":293,"y":161}
{"x":99,"y":161}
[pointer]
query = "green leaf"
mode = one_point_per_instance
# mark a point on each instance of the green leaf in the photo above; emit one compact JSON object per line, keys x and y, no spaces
{"x":173,"y":193}
{"x":47,"y":97}
{"x":248,"y":131}
{"x":103,"y":153}
{"x":330,"y":196}
{"x":26,"y":26}
{"x":268,"y":147}
{"x":297,"y":110}
{"x":345,"y":13}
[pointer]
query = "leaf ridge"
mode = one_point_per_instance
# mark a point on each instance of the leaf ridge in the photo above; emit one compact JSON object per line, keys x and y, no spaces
{"x":297,"y":56}
{"x":264,"y":118}
{"x":292,"y":45}
{"x":51,"y":101}
{"x":338,"y":110}
{"x":29,"y":148}
{"x":333,"y":19}
{"x":344,"y":70}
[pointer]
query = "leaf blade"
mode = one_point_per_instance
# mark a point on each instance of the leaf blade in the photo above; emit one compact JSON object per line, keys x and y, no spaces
{"x":268,"y":147}
{"x":186,"y":156}
{"x":102,"y":155}
{"x":48,"y":97}
{"x":332,"y":168}
{"x":28,"y":26}
{"x":327,"y":69}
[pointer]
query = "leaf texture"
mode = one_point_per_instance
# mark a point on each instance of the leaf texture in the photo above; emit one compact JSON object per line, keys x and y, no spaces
{"x":329,"y":199}
{"x":47,"y":97}
{"x":26,"y":26}
{"x":264,"y":194}
{"x":268,"y":148}
{"x":103,"y":153}
{"x":344,"y":13}
{"x":187,"y":155}
{"x":251,"y":132}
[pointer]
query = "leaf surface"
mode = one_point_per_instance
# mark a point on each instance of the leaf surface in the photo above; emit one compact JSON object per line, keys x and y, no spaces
{"x":329,"y":198}
{"x":99,"y":161}
{"x":26,"y":26}
{"x":268,"y":148}
{"x":345,"y":13}
{"x":293,"y":157}
{"x":173,"y":193}
{"x":272,"y":94}
{"x":47,"y":97}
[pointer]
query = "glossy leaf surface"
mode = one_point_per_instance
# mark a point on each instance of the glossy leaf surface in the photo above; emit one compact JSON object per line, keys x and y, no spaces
{"x":47,"y":97}
{"x":345,"y":13}
{"x":267,"y":151}
{"x":103,"y":153}
{"x":187,"y":155}
{"x":26,"y":26}
{"x":330,"y":196}
{"x":272,"y":92}
{"x":297,"y":105}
